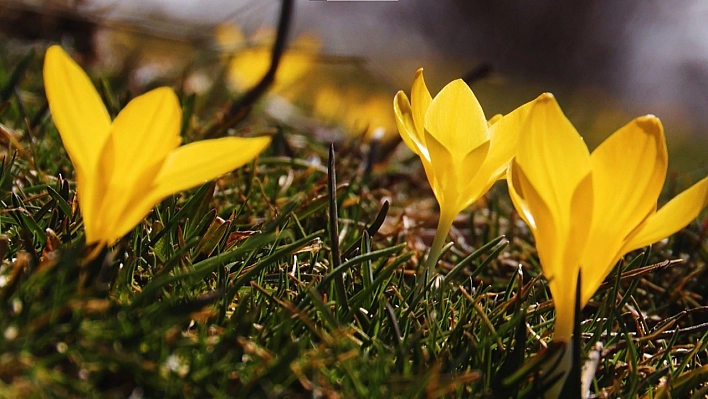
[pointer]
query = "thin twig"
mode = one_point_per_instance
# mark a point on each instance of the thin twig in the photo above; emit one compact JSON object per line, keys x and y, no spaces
{"x":240,"y":108}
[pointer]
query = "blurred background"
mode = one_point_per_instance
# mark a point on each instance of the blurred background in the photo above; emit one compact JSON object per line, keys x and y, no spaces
{"x":606,"y":61}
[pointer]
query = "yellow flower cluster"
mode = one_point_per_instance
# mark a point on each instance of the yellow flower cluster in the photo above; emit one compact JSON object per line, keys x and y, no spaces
{"x":325,"y":90}
{"x":585,"y":210}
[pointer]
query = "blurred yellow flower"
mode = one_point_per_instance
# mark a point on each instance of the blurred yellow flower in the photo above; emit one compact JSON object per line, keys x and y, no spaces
{"x":462,"y":154}
{"x":587,"y":210}
{"x":251,"y":58}
{"x":126,"y":166}
{"x":371,"y":117}
{"x":335,"y":90}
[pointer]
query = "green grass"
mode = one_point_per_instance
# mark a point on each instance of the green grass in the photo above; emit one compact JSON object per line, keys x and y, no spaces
{"x":284,"y":279}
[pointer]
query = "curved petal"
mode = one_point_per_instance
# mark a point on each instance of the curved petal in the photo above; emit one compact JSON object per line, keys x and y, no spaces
{"x":456,"y":120}
{"x":406,"y":125}
{"x":409,"y":134}
{"x":550,"y":244}
{"x":504,"y":137}
{"x":549,"y":185}
{"x":473,"y":178}
{"x":442,"y":167}
{"x":77,"y":109}
{"x":553,"y":157}
{"x":452,"y":176}
{"x":421,"y":99}
{"x":132,"y":214}
{"x":122,"y":205}
{"x":494,"y":119}
{"x":83,"y":123}
{"x":466,"y":173}
{"x":629,"y":169}
{"x":142,"y":136}
{"x":581,"y":216}
{"x":145,"y":132}
{"x":673,"y":216}
{"x":516,"y":193}
{"x":186,"y":167}
{"x":473,"y":191}
{"x":90,"y":200}
{"x":196,"y":163}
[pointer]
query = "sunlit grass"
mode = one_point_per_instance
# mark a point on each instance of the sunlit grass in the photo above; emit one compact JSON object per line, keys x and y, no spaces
{"x":238,"y":289}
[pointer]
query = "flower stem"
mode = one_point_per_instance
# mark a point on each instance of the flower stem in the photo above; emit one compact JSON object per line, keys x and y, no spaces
{"x":444,"y":225}
{"x":558,"y":367}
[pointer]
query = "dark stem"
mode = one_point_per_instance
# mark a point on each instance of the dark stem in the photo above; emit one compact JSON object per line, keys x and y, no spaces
{"x":572,"y":388}
{"x":334,"y":229}
{"x":240,"y":108}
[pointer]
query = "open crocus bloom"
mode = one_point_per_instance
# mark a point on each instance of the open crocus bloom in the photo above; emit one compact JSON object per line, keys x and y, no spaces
{"x":126,"y":166}
{"x":587,"y":210}
{"x":463,"y":154}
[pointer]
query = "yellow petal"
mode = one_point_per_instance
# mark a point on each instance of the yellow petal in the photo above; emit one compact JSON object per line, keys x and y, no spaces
{"x":494,"y":119}
{"x":466,"y":173}
{"x":456,"y":120}
{"x":409,"y":134}
{"x":441,"y":169}
{"x":629,"y":169}
{"x":550,"y":240}
{"x":76,"y":107}
{"x":188,"y":166}
{"x":517,"y":195}
{"x":90,"y":196}
{"x":673,"y":216}
{"x":471,"y":184}
{"x":563,"y":292}
{"x":420,"y":97}
{"x":142,"y":136}
{"x":83,"y":123}
{"x":545,"y":224}
{"x":453,"y":175}
{"x":582,"y":213}
{"x":196,"y":163}
{"x":249,"y":65}
{"x":553,"y":157}
{"x":471,"y":192}
{"x":550,"y":183}
{"x":559,"y":252}
{"x":145,"y":132}
{"x":406,"y":125}
{"x":504,"y":137}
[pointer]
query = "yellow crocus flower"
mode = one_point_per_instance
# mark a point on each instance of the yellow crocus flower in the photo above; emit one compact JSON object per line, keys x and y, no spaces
{"x":462,"y":153}
{"x":126,"y":166}
{"x":587,"y":210}
{"x":252,"y":58}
